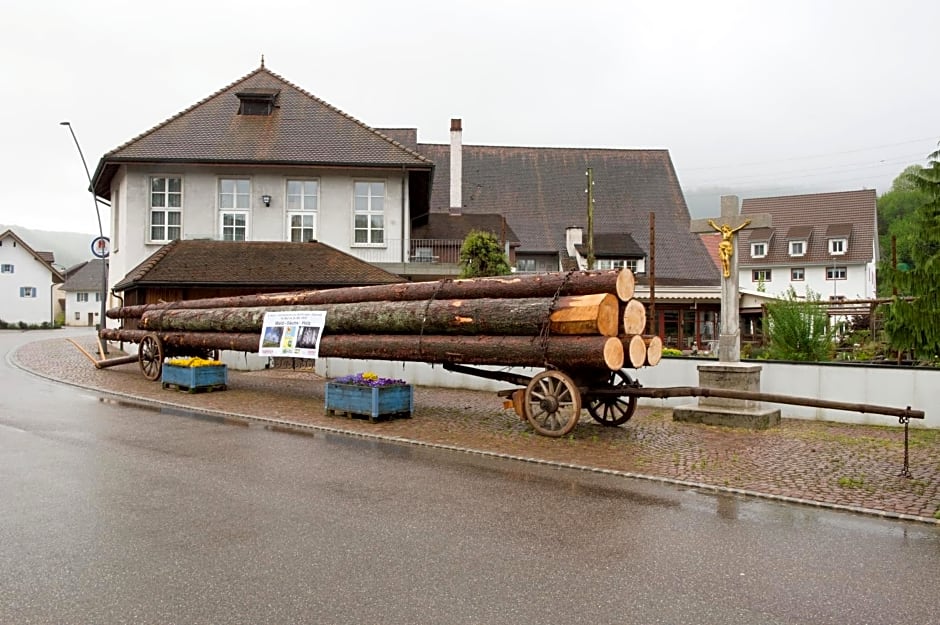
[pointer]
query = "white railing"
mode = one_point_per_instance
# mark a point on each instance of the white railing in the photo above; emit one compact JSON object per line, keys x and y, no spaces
{"x":423,"y":251}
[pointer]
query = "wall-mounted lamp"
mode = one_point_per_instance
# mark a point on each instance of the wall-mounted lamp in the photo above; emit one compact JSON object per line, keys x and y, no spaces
{"x":266,"y":199}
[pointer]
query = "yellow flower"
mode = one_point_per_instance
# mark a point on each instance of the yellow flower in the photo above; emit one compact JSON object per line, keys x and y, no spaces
{"x":193,"y":362}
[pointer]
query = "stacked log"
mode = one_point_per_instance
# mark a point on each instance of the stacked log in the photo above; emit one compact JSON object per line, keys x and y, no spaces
{"x":574,"y":320}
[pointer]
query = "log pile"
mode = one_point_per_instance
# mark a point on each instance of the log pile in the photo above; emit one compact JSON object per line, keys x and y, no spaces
{"x":569,"y":321}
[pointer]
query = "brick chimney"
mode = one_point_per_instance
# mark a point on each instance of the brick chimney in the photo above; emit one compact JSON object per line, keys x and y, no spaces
{"x":456,"y":167}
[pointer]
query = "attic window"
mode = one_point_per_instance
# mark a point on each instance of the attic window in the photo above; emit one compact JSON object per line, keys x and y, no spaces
{"x":257,"y":101}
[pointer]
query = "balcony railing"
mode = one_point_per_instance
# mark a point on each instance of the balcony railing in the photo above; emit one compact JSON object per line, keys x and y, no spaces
{"x":417,"y":251}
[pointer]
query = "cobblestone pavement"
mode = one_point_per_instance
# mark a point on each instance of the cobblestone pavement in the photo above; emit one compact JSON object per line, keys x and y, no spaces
{"x":812,"y":462}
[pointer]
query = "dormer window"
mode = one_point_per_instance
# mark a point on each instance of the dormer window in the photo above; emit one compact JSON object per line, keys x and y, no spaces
{"x":838,"y":237}
{"x":257,"y":101}
{"x":758,"y":250}
{"x":797,"y":248}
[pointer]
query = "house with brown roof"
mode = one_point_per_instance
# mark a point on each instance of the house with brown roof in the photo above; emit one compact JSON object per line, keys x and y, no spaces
{"x":27,"y":282}
{"x":82,"y":293}
{"x":263,"y":160}
{"x":823,"y":242}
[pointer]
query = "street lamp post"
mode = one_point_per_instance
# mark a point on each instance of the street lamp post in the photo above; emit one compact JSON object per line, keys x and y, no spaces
{"x":104,"y":257}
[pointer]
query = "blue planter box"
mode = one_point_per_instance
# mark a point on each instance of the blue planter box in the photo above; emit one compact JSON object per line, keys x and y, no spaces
{"x":193,"y":379}
{"x":370,"y":401}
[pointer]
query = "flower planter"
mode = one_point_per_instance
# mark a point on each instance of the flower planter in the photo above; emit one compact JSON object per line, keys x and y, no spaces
{"x":195,"y":379}
{"x":370,"y":401}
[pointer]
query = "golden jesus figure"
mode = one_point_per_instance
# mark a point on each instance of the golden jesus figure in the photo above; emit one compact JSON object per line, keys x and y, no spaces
{"x":726,"y":247}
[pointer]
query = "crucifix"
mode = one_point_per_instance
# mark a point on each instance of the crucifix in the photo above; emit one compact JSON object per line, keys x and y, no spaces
{"x":728,"y":224}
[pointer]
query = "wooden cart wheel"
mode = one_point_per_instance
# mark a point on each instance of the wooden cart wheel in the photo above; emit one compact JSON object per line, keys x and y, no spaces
{"x":613,"y":411}
{"x":150,"y":356}
{"x":552,"y":403}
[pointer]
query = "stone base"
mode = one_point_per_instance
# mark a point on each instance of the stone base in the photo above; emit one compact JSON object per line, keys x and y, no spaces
{"x":732,"y":376}
{"x":753,"y":418}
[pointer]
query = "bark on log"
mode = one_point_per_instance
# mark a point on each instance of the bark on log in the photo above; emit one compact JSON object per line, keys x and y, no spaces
{"x":634,"y":317}
{"x":620,"y":282}
{"x":576,"y":314}
{"x":654,"y":350}
{"x":561,"y":352}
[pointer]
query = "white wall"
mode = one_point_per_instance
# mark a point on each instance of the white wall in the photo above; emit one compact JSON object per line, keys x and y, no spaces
{"x":857,"y":285}
{"x":27,"y":271}
{"x":895,"y":387}
{"x":72,"y":306}
{"x":200,"y":215}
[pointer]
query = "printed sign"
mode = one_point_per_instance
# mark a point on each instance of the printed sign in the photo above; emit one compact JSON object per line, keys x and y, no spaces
{"x":294,"y":334}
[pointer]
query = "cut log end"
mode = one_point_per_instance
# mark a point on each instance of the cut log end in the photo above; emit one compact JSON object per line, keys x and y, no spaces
{"x":634,"y":317}
{"x":654,"y":350}
{"x":626,"y":285}
{"x":613,"y":354}
{"x":635,"y":348}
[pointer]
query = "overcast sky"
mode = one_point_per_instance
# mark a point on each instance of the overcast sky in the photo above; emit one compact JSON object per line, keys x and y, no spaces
{"x":751,"y":97}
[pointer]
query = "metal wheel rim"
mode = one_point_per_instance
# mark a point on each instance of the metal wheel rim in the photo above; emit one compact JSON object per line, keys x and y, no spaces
{"x":150,"y":357}
{"x":552,"y":403}
{"x":613,"y":411}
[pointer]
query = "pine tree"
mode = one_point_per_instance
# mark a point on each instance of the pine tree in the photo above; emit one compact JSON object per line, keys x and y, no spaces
{"x":914,"y":324}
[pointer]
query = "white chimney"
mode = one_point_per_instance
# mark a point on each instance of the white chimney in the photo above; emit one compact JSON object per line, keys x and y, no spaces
{"x":456,"y":167}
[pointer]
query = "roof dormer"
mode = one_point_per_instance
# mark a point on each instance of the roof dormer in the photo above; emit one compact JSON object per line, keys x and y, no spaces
{"x":760,"y":241}
{"x":798,"y":240}
{"x":257,"y":101}
{"x":838,"y":236}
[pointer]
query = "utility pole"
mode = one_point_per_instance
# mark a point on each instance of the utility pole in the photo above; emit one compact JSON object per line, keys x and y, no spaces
{"x":103,"y":295}
{"x":590,"y":218}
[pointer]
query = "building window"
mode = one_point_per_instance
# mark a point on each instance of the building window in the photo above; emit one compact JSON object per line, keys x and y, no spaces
{"x":797,"y":248}
{"x":166,"y":203}
{"x":303,"y":200}
{"x":607,"y":263}
{"x":78,"y":316}
{"x":234,"y":226}
{"x":369,"y":226}
{"x":836,"y":273}
{"x":27,"y":291}
{"x":797,"y":274}
{"x":758,"y":250}
{"x":6,"y":268}
{"x":525,"y":265}
{"x":760,"y":275}
{"x":837,"y":246}
{"x":97,"y":296}
{"x":234,"y":204}
{"x":81,"y":297}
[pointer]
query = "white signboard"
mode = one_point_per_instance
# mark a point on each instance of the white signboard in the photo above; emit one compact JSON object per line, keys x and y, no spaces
{"x":295,"y":334}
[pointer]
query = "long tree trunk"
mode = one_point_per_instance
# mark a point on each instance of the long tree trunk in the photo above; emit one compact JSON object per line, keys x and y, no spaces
{"x":563,"y":352}
{"x":577,"y":314}
{"x":620,"y":282}
{"x":634,"y":317}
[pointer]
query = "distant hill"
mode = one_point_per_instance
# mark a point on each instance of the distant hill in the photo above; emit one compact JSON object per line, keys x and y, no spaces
{"x":70,"y":248}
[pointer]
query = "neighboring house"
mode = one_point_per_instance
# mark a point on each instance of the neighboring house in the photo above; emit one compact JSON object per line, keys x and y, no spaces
{"x":183,"y":270}
{"x":263,"y":160}
{"x":82,"y":291}
{"x":824,"y":242}
{"x":27,"y":280}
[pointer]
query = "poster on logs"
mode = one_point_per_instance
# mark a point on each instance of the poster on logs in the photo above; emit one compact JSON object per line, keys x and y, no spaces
{"x":293,"y":334}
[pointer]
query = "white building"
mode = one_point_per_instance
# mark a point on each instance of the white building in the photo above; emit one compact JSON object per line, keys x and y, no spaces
{"x":82,"y":291}
{"x":823,"y":242}
{"x":27,"y":280}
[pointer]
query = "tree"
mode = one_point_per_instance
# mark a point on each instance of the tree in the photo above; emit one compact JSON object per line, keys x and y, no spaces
{"x":799,"y":329}
{"x":914,"y":324}
{"x":896,"y":219}
{"x":481,"y":255}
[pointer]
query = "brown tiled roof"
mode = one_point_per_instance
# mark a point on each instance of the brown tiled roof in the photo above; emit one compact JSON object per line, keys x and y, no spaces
{"x":799,"y":233}
{"x":541,"y":192}
{"x":711,"y":241}
{"x":447,"y":226}
{"x":86,"y":277}
{"x":761,"y":234}
{"x":302,"y":130}
{"x":822,"y":213}
{"x":613,"y":245}
{"x":43,"y":257}
{"x":254,"y":263}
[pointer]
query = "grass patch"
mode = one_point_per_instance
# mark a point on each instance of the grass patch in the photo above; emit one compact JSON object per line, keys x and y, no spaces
{"x":851,"y":482}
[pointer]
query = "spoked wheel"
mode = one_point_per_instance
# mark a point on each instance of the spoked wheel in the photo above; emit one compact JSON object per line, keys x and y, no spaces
{"x":150,"y":356}
{"x":552,"y":403}
{"x":613,"y":411}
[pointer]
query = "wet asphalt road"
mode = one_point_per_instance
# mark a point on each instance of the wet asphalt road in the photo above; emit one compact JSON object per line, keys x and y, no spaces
{"x":116,"y":513}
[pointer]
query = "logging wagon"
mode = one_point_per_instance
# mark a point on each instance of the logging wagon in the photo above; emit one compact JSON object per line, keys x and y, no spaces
{"x":584,"y":329}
